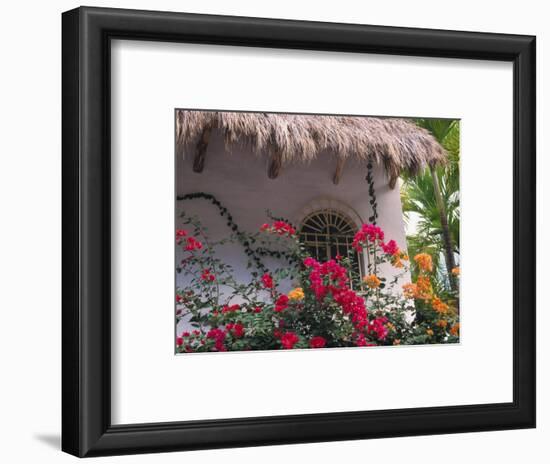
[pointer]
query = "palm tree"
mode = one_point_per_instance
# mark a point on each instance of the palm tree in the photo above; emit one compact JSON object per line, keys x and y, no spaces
{"x":433,"y":196}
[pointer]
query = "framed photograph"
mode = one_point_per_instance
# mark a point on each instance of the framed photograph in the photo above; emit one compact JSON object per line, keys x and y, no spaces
{"x":285,"y":231}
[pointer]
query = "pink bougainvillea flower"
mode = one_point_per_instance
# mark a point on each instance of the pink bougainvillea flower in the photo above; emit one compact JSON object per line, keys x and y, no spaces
{"x":283,"y":228}
{"x":215,"y":333}
{"x":317,"y":342}
{"x":368,"y":232}
{"x":360,"y":339}
{"x":237,"y":330}
{"x":289,"y":339}
{"x":378,"y":327}
{"x":279,"y":228}
{"x":218,"y":336}
{"x":281,"y":304}
{"x":208,"y":276}
{"x":390,"y":248}
{"x":193,"y":244}
{"x":230,"y":308}
{"x":180,"y":234}
{"x":267,"y":281}
{"x":332,"y":278}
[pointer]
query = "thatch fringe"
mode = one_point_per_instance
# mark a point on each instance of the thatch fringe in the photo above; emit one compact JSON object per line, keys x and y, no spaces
{"x":397,"y":143}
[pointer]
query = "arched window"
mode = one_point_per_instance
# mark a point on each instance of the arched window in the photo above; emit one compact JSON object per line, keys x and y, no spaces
{"x":326,"y":233}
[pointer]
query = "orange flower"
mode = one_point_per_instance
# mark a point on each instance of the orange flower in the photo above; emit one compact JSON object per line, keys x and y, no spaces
{"x":439,"y":306}
{"x":409,"y":290}
{"x":397,"y":342}
{"x":397,"y":262}
{"x":372,"y":281}
{"x":398,"y":257}
{"x":430,"y":332}
{"x":424,"y":288}
{"x":390,"y":326}
{"x":424,"y":261}
{"x":441,"y":323}
{"x":421,"y":290}
{"x":296,"y":295}
{"x":455,"y":329}
{"x":455,"y":271}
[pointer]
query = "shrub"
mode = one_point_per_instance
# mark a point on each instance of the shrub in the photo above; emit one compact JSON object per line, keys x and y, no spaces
{"x":330,"y":305}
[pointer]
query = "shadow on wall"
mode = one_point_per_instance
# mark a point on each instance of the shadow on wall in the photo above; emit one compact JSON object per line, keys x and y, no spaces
{"x":51,"y":440}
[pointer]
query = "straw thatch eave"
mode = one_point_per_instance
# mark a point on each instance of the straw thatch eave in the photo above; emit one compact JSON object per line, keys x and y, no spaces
{"x":397,"y":143}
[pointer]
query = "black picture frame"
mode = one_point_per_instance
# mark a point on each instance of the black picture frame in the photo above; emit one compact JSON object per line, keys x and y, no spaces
{"x":86,"y":381}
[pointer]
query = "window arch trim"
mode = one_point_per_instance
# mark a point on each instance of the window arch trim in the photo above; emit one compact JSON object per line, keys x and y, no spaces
{"x":327,"y":228}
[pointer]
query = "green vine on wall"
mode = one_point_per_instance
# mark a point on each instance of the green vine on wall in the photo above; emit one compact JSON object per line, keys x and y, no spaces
{"x":253,"y":253}
{"x":372,"y":194}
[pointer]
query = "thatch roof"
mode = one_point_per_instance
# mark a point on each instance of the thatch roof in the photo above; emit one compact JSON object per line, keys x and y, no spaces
{"x":396,"y":142}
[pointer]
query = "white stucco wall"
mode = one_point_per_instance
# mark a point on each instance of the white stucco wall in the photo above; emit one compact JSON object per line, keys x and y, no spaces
{"x":238,"y":179}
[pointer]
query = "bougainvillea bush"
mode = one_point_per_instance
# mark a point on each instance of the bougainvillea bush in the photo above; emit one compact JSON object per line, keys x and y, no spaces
{"x":329,"y":304}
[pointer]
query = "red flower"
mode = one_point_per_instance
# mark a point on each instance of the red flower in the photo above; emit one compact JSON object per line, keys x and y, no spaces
{"x":230,"y":309}
{"x":331,"y":278}
{"x":193,"y":244}
{"x":378,"y":327}
{"x":215,"y":333}
{"x":317,"y":342}
{"x":282,"y":228}
{"x":179,"y":298}
{"x":368,"y":232}
{"x":352,"y":304}
{"x":257,"y":309}
{"x":390,"y":248}
{"x":279,"y":228}
{"x":179,"y":341}
{"x":288,"y":340}
{"x":180,"y":233}
{"x":238,"y":330}
{"x":326,"y":276}
{"x":185,"y":334}
{"x":267,"y":281}
{"x":218,"y":336}
{"x":207,"y":276}
{"x":281,"y":304}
